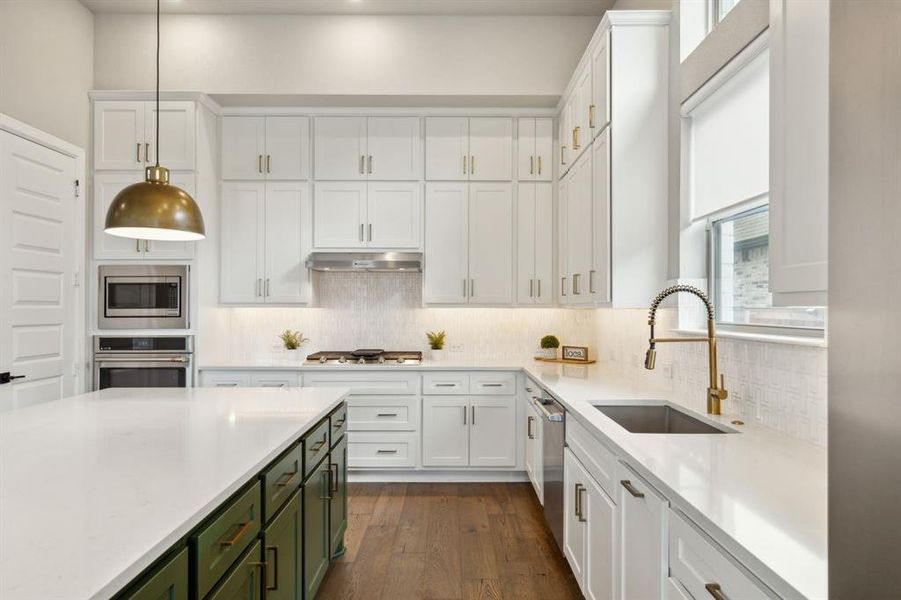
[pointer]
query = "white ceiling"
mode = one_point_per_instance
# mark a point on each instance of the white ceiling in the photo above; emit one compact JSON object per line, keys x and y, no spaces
{"x":368,"y":7}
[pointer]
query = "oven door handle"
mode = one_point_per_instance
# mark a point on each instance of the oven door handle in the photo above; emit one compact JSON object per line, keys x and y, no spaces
{"x":134,"y":359}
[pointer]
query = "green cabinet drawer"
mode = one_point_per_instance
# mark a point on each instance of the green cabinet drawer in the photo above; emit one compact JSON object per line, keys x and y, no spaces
{"x":168,"y":582}
{"x":282,"y":552}
{"x":339,"y":423}
{"x":316,"y":498}
{"x":315,"y":446}
{"x":338,"y":501}
{"x":245,"y":582}
{"x":221,"y":541}
{"x":281,"y":480}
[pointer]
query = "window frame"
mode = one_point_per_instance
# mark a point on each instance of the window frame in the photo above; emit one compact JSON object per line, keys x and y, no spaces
{"x":713,"y":291}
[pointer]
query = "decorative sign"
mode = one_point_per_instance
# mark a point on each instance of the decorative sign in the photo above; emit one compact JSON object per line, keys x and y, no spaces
{"x":579,"y":353}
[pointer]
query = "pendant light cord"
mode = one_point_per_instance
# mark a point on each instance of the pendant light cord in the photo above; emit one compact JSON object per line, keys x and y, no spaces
{"x":157,"y":83}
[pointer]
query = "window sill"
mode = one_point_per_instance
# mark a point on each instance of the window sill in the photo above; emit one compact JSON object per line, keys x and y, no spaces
{"x":759,"y":337}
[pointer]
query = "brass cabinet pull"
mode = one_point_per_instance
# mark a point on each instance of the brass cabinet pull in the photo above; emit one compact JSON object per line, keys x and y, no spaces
{"x":539,"y":284}
{"x":539,"y":164}
{"x":473,"y":415}
{"x":464,"y":288}
{"x":328,"y":483}
{"x":268,"y":163}
{"x":578,"y":500}
{"x":259,"y":287}
{"x":472,"y":288}
{"x":370,"y":165}
{"x":146,"y":245}
{"x":146,"y":152}
{"x":464,"y":414}
{"x":576,"y":144}
{"x":631,"y":488}
{"x":260,"y":163}
{"x":287,"y":478}
{"x":716,"y":591}
{"x":335,"y":478}
{"x":591,"y":115}
{"x":339,"y":423}
{"x":274,"y":550}
{"x":362,"y":164}
{"x":268,"y":287}
{"x":263,"y":575}
{"x":386,"y":415}
{"x":380,"y":451}
{"x":318,"y":445}
{"x":242,"y":529}
{"x":576,"y":287}
{"x":563,"y":286}
{"x":591,"y":282}
{"x":529,"y":428}
{"x":472,"y":165}
{"x":370,"y":228}
{"x":531,"y":286}
{"x":138,"y":152}
{"x":361,"y":232}
{"x":562,"y":151}
{"x":137,"y":245}
{"x":531,"y":165}
{"x":581,"y":488}
{"x":464,"y":164}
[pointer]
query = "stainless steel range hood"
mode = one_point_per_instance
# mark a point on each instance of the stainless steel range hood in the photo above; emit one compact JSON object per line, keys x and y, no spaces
{"x":365,"y":261}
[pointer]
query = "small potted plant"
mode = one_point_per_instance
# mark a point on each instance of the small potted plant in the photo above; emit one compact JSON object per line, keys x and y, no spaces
{"x":436,"y":343}
{"x":292,"y":340}
{"x":549,"y":345}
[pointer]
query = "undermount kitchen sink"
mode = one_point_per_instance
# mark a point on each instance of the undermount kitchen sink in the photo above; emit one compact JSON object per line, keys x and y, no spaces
{"x":657,"y":418}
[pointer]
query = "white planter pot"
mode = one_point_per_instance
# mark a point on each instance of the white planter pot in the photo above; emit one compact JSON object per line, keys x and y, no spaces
{"x":437,"y":355}
{"x":548,"y":353}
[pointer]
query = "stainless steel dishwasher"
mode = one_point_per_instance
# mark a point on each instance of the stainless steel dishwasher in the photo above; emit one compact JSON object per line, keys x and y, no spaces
{"x":552,"y":461}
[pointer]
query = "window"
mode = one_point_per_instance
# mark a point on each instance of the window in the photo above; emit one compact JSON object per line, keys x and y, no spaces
{"x":739,"y":251}
{"x":697,"y":18}
{"x":723,"y":7}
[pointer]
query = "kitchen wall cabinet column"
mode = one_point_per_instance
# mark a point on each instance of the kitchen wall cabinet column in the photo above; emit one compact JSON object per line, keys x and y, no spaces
{"x":446,"y":261}
{"x":469,"y":149}
{"x":599,"y":103}
{"x":265,"y":147}
{"x":490,"y":243}
{"x":374,"y":215}
{"x":125,"y":134}
{"x":535,"y":243}
{"x":535,"y":149}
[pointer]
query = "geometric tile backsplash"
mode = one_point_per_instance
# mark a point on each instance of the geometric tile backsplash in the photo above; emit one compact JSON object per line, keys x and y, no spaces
{"x":778,"y":385}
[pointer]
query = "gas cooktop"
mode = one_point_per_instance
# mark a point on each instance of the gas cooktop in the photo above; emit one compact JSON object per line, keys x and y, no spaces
{"x":366,"y":356}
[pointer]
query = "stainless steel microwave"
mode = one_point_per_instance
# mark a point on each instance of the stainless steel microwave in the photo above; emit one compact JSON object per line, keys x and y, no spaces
{"x":143,"y":297}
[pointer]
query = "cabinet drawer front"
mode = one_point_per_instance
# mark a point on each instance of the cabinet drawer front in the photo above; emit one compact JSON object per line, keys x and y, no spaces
{"x":224,"y":379}
{"x":445,"y":384}
{"x":597,"y":459}
{"x":223,"y":540}
{"x":492,"y":384}
{"x":384,"y":413}
{"x":245,"y":579}
{"x":168,"y":581}
{"x":367,"y":382}
{"x":701,"y":567}
{"x":397,"y":450}
{"x":281,"y":480}
{"x":315,"y":446}
{"x":274,"y":379}
{"x":338,"y":420}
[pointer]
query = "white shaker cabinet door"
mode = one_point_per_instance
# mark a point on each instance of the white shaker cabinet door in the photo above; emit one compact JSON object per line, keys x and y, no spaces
{"x":544,"y":149}
{"x":575,"y":490}
{"x":600,"y":275}
{"x":340,"y":148}
{"x":599,"y":115}
{"x":445,"y":270}
{"x":582,"y":116}
{"x":490,"y":149}
{"x":544,"y":243}
{"x":492,"y":431}
{"x":526,"y":161}
{"x":394,"y":149}
{"x":525,"y":243}
{"x":642,"y":537}
{"x":445,"y":431}
{"x":394,"y":211}
{"x":176,"y":134}
{"x":243,"y":147}
{"x":242,"y":259}
{"x":173,"y":250}
{"x":287,"y":148}
{"x":339,"y":214}
{"x":579,"y":230}
{"x":491,"y":243}
{"x":106,"y":246}
{"x":447,"y":148}
{"x":286,"y":276}
{"x":118,"y":135}
{"x":602,"y":543}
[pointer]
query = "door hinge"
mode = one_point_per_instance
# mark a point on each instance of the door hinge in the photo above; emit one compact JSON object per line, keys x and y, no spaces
{"x":77,"y":189}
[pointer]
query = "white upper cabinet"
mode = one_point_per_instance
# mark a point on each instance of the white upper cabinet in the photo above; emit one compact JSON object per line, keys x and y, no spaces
{"x":579,"y":227}
{"x":394,"y":149}
{"x":447,"y":148}
{"x":339,"y":215}
{"x":394,"y":214}
{"x":563,"y":139}
{"x":535,"y":149}
{"x":286,"y":277}
{"x":287,"y":148}
{"x":599,"y":275}
{"x":562,"y":280}
{"x":476,"y":149}
{"x":243,"y":147}
{"x":125,"y":135}
{"x":446,"y":261}
{"x":599,"y":109}
{"x":582,"y":109}
{"x":490,"y":243}
{"x":535,"y":243}
{"x":340,"y":148}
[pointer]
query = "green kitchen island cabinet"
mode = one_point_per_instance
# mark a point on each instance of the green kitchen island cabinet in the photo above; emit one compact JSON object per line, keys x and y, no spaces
{"x":168,"y":581}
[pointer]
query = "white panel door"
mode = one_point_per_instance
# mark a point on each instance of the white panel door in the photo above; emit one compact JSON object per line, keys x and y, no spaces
{"x":37,"y":266}
{"x":394,"y":212}
{"x":579,"y":230}
{"x":602,"y":543}
{"x":106,"y":246}
{"x":599,"y":116}
{"x":445,"y":431}
{"x":446,"y":268}
{"x":339,"y":214}
{"x":394,"y":149}
{"x":490,"y":149}
{"x":525,"y":244}
{"x":562,"y":280}
{"x":287,"y":148}
{"x":575,"y":145}
{"x":563,"y":138}
{"x":544,"y":243}
{"x":574,"y":530}
{"x":118,"y":135}
{"x":600,"y":276}
{"x":286,"y":276}
{"x":582,"y":116}
{"x":544,"y":149}
{"x":154,"y":249}
{"x":243,"y":147}
{"x":491,"y":243}
{"x":534,"y":455}
{"x":447,"y":148}
{"x":340,"y":148}
{"x":492,"y":431}
{"x":642,"y":537}
{"x":176,"y":134}
{"x":241,"y":252}
{"x":526,"y":161}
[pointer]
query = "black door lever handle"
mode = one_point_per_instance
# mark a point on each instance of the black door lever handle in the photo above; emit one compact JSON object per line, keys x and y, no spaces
{"x":6,"y":377}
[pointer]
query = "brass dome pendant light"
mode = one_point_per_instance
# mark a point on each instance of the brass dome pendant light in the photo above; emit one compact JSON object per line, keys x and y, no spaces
{"x":154,"y":209}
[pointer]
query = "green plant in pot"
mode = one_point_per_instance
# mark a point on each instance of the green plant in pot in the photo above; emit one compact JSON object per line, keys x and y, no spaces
{"x":436,"y":343}
{"x":292,"y":340}
{"x":549,"y":345}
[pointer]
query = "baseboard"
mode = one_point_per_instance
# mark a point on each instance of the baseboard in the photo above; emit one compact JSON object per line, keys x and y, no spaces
{"x":433,"y":476}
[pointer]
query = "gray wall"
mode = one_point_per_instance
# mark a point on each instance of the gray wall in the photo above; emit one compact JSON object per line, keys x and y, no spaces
{"x":864,"y":290}
{"x":46,"y":65}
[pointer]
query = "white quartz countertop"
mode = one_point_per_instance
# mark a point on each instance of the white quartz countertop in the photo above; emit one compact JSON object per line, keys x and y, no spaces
{"x":95,"y":487}
{"x":761,"y":494}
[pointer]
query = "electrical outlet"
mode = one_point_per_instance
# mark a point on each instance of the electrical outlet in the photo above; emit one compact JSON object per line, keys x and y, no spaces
{"x":457,"y":347}
{"x":277,"y":347}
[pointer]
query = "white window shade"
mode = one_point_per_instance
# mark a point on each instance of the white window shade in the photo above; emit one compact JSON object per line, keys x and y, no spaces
{"x":729,"y":137}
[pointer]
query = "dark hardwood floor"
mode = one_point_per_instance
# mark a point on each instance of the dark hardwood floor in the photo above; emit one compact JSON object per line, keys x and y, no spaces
{"x":447,"y":541}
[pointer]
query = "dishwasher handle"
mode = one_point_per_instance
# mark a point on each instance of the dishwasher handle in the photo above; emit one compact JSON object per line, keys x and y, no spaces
{"x":548,"y":415}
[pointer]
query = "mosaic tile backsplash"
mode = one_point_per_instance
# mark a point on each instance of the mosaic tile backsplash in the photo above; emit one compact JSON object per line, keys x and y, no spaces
{"x":778,"y":385}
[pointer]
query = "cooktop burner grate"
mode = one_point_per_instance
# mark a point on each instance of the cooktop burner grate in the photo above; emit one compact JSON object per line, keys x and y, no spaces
{"x":367,"y":356}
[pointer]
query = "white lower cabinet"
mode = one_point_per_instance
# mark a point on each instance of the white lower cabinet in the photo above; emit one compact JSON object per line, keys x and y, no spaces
{"x":642,"y":548}
{"x":533,"y":459}
{"x":392,"y":450}
{"x":445,"y":431}
{"x":475,"y":431}
{"x":283,"y":379}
